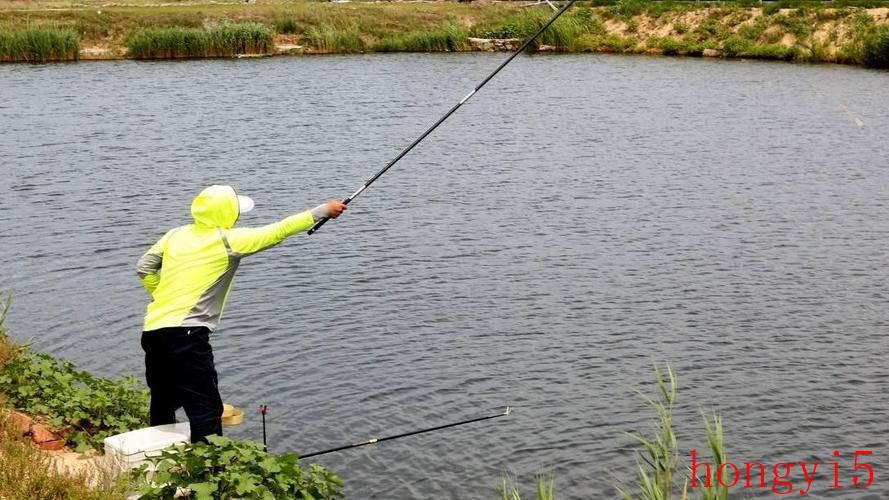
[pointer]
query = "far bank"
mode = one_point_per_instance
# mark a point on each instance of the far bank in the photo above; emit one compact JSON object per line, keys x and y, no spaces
{"x":43,"y":31}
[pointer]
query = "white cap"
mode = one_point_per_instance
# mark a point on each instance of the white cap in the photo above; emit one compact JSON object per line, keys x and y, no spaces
{"x":245,"y":204}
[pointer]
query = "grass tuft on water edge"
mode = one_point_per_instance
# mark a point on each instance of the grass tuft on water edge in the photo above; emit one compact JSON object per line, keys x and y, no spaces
{"x":449,"y":38}
{"x":224,"y":40}
{"x":38,"y":44}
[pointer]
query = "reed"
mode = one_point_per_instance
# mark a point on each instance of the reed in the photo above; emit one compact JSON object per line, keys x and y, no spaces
{"x":38,"y":44}
{"x":660,"y":474}
{"x":450,"y":38}
{"x":326,"y":38}
{"x":225,"y":40}
{"x":876,"y":48}
{"x":544,"y":488}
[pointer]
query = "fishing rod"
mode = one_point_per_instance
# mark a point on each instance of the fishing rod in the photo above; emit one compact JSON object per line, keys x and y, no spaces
{"x":428,"y":131}
{"x":406,"y":434}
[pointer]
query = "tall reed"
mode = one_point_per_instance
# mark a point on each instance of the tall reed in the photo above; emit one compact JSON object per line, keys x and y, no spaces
{"x":449,"y":38}
{"x":224,"y":40}
{"x":660,"y":453}
{"x":328,"y":38}
{"x":38,"y":44}
{"x":659,"y":474}
{"x":544,"y":490}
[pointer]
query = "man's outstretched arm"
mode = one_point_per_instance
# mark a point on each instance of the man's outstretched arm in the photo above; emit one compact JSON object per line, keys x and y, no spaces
{"x":249,"y":240}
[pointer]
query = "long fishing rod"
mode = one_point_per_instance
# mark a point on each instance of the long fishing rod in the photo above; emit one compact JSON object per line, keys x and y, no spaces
{"x":446,"y":115}
{"x":406,"y":434}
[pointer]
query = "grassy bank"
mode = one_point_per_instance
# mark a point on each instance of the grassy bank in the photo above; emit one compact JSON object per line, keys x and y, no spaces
{"x":841,"y":32}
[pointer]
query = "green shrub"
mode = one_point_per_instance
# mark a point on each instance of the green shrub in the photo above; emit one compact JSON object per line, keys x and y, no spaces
{"x":628,"y":8}
{"x":222,"y":41}
{"x":606,"y":43}
{"x":287,"y":25}
{"x":38,"y":44}
{"x":91,"y":408}
{"x":632,"y":26}
{"x":861,"y":33}
{"x":330,"y":39}
{"x":657,"y":457}
{"x":681,"y":28}
{"x":671,"y":46}
{"x":225,"y":468}
{"x":545,"y":488}
{"x":755,"y":30}
{"x":799,"y":27}
{"x":448,"y":39}
{"x":876,"y":48}
{"x":740,"y":47}
{"x":768,"y":10}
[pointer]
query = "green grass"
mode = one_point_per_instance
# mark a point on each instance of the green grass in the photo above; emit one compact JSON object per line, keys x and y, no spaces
{"x":222,"y":41}
{"x":544,"y":488}
{"x":28,"y":472}
{"x":876,"y":48}
{"x":38,"y":44}
{"x":447,"y":39}
{"x":660,"y":474}
{"x":330,"y":39}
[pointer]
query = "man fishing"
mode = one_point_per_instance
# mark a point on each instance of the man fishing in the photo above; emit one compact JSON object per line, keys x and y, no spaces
{"x":189,"y":273}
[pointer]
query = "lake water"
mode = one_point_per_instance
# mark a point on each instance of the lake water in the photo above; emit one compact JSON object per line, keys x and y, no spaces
{"x":578,"y":219}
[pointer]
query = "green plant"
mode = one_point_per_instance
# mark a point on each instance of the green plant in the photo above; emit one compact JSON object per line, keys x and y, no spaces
{"x":671,"y":46}
{"x":861,"y":31}
{"x":448,"y":39}
{"x":286,"y":25}
{"x":545,"y":488}
{"x":713,"y":426}
{"x":38,"y":44}
{"x":876,"y":48}
{"x":628,"y":8}
{"x":658,"y":458}
{"x":8,"y":350}
{"x":681,"y":28}
{"x":768,"y":10}
{"x":225,"y":468}
{"x":660,"y":453}
{"x":334,"y":40}
{"x":221,"y":41}
{"x":632,"y":26}
{"x":87,"y":408}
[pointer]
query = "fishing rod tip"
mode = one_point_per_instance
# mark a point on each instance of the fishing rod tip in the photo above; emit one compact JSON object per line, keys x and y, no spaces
{"x":506,"y":412}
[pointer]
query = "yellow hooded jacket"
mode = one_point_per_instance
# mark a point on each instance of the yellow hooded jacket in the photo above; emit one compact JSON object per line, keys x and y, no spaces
{"x":189,"y":271}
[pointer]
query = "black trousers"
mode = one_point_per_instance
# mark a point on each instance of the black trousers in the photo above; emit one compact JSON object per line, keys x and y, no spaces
{"x":180,"y":373}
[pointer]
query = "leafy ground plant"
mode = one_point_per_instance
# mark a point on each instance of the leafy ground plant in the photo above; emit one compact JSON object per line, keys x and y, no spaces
{"x":225,"y":468}
{"x":86,"y":407}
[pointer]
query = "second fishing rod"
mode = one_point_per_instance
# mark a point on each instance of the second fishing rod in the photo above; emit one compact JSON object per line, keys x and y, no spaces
{"x":435,"y":125}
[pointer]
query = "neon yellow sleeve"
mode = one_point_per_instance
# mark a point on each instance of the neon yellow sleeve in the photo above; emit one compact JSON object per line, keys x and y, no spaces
{"x":249,"y":240}
{"x":149,"y":265}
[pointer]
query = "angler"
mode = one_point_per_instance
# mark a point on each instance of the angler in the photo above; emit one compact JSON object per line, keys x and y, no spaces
{"x":188,"y":274}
